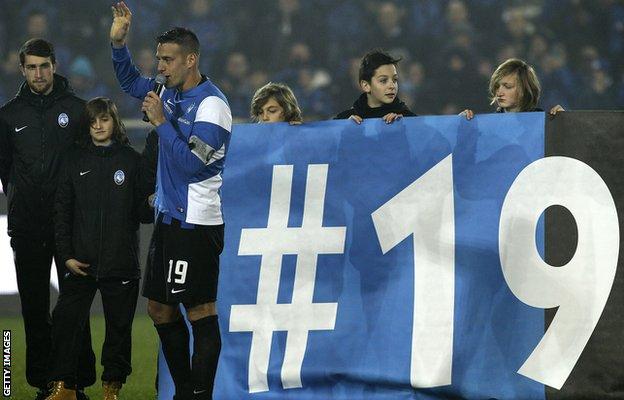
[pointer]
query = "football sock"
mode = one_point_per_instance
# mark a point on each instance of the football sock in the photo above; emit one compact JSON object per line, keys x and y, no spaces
{"x":174,"y":338}
{"x":206,"y":349}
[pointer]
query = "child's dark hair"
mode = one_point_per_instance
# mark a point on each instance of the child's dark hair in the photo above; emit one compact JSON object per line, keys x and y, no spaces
{"x":100,"y":106}
{"x":373,"y":60}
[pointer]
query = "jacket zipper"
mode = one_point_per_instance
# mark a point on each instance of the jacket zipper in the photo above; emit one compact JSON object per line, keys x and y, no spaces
{"x":43,"y":148}
{"x":100,"y":162}
{"x":42,"y":121}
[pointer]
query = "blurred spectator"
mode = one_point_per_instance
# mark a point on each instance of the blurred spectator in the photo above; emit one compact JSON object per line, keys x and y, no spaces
{"x":456,"y":17}
{"x":518,"y":29}
{"x":37,"y":25}
{"x":577,"y":21}
{"x":425,"y":17}
{"x":258,"y":78}
{"x":538,"y":50}
{"x":11,"y":75}
{"x":461,"y":77}
{"x":600,"y":93}
{"x":465,"y":39}
{"x":214,"y":32}
{"x":146,"y":61}
{"x":87,"y":28}
{"x":416,"y":91}
{"x":348,"y":86}
{"x":590,"y":60}
{"x":236,"y":85}
{"x":559,"y":83}
{"x":311,"y":89}
{"x":616,"y":33}
{"x":288,"y":22}
{"x":346,"y":23}
{"x":83,"y":79}
{"x":152,"y":16}
{"x":299,"y":57}
{"x":389,"y":32}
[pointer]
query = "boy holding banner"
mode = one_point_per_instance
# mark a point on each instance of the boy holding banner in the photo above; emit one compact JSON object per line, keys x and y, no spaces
{"x":379,"y":81}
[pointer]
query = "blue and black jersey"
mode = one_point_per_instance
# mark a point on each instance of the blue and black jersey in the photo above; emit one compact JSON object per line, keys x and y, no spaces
{"x":192,"y":145}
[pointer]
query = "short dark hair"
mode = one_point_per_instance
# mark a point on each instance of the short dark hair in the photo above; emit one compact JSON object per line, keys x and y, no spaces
{"x":37,"y":47}
{"x":373,"y":60}
{"x":99,"y":106}
{"x":183,"y":37}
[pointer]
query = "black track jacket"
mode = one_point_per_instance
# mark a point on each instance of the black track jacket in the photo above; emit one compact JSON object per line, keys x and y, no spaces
{"x":97,"y":207}
{"x":361,"y":108}
{"x":35,"y":130}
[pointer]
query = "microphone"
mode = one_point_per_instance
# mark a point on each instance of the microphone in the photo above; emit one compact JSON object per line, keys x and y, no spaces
{"x":159,"y":88}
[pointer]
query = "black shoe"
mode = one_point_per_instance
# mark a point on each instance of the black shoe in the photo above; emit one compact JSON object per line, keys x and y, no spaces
{"x":42,"y":394}
{"x":81,"y":395}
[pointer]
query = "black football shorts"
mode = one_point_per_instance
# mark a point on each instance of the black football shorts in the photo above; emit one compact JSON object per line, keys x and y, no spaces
{"x":183,"y":263}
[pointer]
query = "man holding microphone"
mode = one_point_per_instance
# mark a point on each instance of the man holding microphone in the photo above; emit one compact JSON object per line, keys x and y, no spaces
{"x":193,"y":122}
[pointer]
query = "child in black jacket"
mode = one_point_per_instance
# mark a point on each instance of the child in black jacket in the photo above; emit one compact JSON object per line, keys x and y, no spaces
{"x":379,"y":81}
{"x":96,"y":231}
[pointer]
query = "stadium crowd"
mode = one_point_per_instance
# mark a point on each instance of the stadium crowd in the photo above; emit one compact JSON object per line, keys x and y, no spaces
{"x":449,"y":48}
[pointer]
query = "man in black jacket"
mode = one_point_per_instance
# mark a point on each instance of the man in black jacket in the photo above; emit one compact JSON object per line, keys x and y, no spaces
{"x":36,"y":127}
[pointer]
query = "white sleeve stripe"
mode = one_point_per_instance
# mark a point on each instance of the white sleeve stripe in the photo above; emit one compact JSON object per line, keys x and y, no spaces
{"x":215,"y":111}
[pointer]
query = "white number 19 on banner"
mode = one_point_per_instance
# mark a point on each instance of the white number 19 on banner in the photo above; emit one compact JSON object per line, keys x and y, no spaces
{"x":425,"y":211}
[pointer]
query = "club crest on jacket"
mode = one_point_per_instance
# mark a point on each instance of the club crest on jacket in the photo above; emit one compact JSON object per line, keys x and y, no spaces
{"x":119,"y":177}
{"x":63,"y":120}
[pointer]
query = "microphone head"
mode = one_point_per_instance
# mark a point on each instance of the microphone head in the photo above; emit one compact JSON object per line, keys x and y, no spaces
{"x":161,"y":79}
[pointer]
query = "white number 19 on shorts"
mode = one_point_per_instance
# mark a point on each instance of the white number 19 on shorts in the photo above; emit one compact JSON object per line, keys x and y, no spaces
{"x":181,"y":267}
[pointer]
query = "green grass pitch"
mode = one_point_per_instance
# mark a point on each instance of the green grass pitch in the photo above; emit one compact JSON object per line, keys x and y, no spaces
{"x":140,"y":384}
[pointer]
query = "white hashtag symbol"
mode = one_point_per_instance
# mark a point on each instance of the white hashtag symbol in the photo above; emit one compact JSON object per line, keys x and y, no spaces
{"x":273,"y":242}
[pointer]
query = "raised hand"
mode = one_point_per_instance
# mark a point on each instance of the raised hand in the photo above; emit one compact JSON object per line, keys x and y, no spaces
{"x":122,"y":17}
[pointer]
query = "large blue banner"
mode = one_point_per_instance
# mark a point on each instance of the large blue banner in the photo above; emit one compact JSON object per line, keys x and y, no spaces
{"x":362,"y":261}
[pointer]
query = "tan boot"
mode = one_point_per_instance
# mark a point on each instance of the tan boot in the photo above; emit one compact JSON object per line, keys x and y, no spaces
{"x":111,"y":390}
{"x":58,"y":391}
